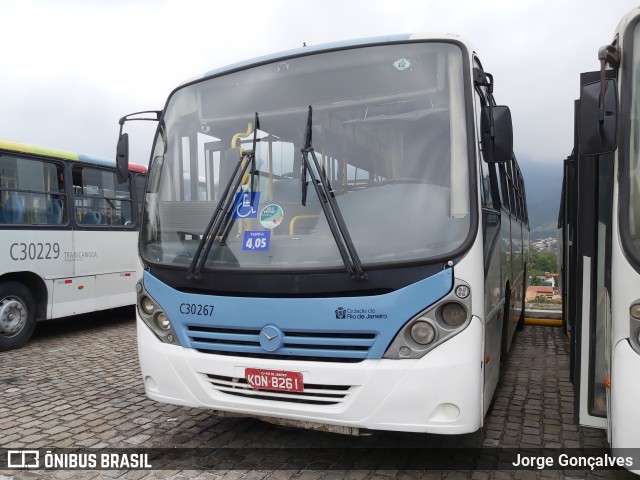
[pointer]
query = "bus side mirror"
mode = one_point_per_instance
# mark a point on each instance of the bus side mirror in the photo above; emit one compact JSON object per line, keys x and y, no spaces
{"x":598,"y":128}
{"x":122,"y":158}
{"x":497,"y":134}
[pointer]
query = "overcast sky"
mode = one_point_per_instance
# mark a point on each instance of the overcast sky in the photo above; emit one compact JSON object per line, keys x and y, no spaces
{"x":70,"y":68}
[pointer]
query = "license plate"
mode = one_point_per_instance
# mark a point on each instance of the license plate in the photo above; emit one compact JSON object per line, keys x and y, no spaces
{"x":277,"y":380}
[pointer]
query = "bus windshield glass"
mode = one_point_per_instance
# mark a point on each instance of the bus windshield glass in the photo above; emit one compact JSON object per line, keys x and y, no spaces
{"x":391,"y":139}
{"x":634,"y":154}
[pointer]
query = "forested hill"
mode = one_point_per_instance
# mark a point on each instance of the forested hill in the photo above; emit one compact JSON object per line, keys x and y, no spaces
{"x":543,"y":183}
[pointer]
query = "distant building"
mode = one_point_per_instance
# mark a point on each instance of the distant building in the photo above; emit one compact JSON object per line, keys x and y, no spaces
{"x":548,"y":244}
{"x":550,"y":279}
{"x":549,"y":293}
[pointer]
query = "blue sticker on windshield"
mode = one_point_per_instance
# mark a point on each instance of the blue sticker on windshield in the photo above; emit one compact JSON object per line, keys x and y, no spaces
{"x":256,"y":240}
{"x":245,"y":205}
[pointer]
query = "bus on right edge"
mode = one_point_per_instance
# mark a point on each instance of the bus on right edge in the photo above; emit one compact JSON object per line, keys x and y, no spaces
{"x":600,"y":233}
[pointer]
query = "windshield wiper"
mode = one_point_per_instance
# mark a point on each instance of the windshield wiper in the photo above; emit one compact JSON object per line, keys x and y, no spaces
{"x":329,"y":205}
{"x":222,"y":219}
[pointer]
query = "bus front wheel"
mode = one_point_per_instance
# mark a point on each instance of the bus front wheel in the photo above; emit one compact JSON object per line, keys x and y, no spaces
{"x":17,"y":315}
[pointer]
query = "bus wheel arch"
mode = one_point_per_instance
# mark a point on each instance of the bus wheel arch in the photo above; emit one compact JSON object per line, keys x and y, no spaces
{"x":22,"y":302}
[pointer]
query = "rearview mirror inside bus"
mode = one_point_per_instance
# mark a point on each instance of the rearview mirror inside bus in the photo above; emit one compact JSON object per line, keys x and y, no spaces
{"x":497,"y":133}
{"x":598,"y":131}
{"x":122,"y":158}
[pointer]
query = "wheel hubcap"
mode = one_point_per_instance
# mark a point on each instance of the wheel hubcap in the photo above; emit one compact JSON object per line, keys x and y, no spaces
{"x":13,"y":316}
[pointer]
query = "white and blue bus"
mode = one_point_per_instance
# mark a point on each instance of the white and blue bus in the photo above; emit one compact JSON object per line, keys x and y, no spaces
{"x":68,"y":236}
{"x":600,"y":222}
{"x":334,"y":237}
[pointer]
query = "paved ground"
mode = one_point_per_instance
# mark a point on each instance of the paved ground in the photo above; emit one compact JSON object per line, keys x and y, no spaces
{"x":77,"y":384}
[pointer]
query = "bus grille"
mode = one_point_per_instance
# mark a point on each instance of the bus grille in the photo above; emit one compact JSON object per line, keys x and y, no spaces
{"x":312,"y":395}
{"x":312,"y":346}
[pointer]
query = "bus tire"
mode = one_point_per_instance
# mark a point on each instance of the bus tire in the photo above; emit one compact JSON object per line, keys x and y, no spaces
{"x":17,"y":315}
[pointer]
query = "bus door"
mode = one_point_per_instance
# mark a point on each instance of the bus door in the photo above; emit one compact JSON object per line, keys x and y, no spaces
{"x":104,"y":244}
{"x":588,"y":201}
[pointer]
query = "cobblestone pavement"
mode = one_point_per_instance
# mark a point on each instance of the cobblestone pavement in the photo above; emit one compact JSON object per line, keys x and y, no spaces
{"x":77,"y":384}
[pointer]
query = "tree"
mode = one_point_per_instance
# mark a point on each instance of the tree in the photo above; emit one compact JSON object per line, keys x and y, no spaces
{"x":541,"y":262}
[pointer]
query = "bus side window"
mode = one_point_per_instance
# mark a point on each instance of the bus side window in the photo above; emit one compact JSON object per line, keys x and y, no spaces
{"x":13,"y":209}
{"x":27,"y":191}
{"x":139,"y":186}
{"x":504,"y":188}
{"x":55,"y":211}
{"x":485,"y":188}
{"x":100,"y":200}
{"x":91,"y":218}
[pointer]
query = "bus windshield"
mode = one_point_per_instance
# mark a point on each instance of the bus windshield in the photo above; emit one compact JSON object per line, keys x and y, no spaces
{"x":634,"y":157}
{"x":390,"y":135}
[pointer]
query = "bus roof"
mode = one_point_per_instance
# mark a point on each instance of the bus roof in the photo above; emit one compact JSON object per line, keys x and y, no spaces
{"x":136,"y":167}
{"x":624,"y":23}
{"x":65,"y":155}
{"x":333,"y":46}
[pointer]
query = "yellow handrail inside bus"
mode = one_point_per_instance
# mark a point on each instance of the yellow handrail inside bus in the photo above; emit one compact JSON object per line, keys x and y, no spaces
{"x":237,"y":136}
{"x":294,"y":220}
{"x":243,"y":224}
{"x":270,"y":160}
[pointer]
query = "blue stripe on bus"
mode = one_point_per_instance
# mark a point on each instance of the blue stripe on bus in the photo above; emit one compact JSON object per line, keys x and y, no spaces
{"x":343,"y":327}
{"x":103,"y":162}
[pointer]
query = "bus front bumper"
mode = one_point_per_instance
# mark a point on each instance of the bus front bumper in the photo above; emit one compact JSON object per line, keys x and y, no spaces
{"x":625,"y":392}
{"x":440,"y":393}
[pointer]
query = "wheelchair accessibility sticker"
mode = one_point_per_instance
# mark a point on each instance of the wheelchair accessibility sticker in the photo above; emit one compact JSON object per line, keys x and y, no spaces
{"x":256,"y":240}
{"x":245,"y":205}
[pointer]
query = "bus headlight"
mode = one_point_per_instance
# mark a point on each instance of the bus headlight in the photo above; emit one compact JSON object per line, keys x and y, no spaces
{"x":453,"y":314}
{"x":634,"y":327}
{"x":423,"y":332}
{"x":162,"y":322}
{"x":152,"y":314}
{"x":434,"y":325}
{"x":147,"y":305}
